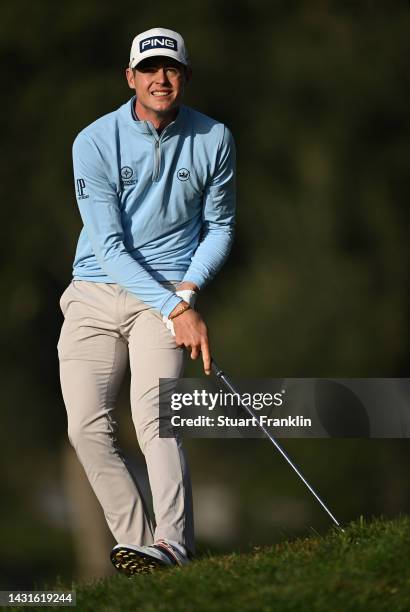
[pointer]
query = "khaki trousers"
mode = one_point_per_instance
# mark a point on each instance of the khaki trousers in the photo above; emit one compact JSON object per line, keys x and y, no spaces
{"x":104,"y":326}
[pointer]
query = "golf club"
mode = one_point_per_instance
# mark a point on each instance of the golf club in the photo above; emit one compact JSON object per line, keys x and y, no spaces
{"x":222,"y":376}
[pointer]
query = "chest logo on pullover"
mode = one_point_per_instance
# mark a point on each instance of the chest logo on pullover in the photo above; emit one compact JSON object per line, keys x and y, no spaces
{"x":127,"y":176}
{"x":183,"y":174}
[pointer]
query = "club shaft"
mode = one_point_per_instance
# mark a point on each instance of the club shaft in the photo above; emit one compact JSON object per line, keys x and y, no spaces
{"x":221,"y":375}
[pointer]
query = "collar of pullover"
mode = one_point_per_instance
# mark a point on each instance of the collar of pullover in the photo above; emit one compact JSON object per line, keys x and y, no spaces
{"x":146,"y":127}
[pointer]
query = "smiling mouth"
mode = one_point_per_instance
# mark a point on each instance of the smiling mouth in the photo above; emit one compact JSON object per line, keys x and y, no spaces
{"x":160,"y":94}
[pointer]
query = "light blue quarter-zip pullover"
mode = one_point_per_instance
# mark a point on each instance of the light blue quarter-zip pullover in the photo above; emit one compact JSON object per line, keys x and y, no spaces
{"x":154,"y":207}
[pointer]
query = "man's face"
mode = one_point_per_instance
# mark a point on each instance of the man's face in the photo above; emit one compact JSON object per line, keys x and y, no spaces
{"x":159,"y":84}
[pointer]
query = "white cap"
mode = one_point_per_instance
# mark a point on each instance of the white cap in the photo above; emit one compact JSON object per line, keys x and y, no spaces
{"x":158,"y":41}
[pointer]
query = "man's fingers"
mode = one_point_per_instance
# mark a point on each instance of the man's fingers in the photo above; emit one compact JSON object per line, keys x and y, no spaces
{"x":192,"y":333}
{"x":206,"y":357}
{"x":194,"y":352}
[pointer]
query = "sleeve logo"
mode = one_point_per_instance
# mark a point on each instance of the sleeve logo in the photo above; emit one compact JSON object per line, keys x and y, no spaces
{"x":80,"y":189}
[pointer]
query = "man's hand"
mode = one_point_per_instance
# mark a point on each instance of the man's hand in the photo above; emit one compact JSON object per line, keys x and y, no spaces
{"x":191,"y":332}
{"x":187,"y":285}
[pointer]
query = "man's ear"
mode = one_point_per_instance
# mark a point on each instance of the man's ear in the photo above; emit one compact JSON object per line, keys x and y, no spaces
{"x":129,"y":75}
{"x":188,"y":74}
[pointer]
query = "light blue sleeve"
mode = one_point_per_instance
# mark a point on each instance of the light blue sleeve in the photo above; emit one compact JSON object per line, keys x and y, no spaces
{"x":218,"y":217}
{"x":99,"y":208}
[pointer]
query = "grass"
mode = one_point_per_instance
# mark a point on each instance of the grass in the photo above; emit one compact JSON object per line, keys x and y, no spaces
{"x":365,"y":568}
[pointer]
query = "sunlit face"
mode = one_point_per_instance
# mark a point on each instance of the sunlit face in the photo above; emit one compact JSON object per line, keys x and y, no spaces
{"x":159,"y":85}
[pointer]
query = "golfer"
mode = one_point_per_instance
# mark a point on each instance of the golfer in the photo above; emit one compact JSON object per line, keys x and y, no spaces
{"x":155,"y":186}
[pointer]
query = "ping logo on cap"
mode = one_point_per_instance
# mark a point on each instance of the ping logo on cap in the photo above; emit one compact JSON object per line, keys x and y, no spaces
{"x":154,"y":43}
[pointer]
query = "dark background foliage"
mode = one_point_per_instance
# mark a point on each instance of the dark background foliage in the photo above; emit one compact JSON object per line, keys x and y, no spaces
{"x":317,"y":97}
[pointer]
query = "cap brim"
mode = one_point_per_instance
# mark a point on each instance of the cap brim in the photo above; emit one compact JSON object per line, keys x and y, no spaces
{"x":155,"y":53}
